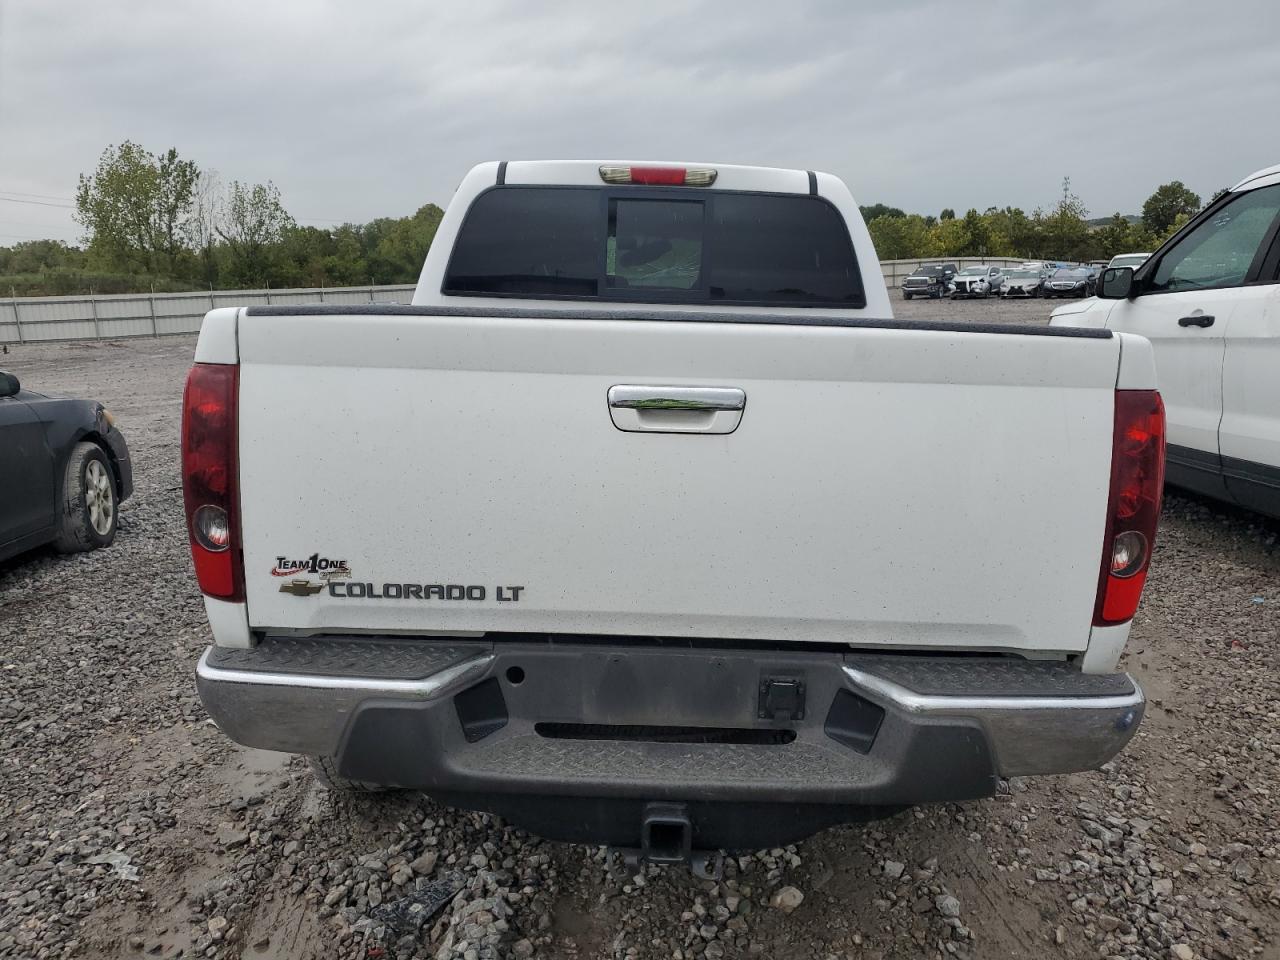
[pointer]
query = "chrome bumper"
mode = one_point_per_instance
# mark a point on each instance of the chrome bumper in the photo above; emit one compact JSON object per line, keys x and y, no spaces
{"x":1029,"y":735}
{"x":306,"y":697}
{"x":309,"y":713}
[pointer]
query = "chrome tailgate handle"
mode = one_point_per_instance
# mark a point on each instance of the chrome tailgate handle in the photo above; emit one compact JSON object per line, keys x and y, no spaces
{"x":671,"y":409}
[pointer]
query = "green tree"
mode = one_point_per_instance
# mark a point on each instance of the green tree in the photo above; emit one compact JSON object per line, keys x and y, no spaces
{"x":947,"y":214}
{"x":1163,"y":207}
{"x":1115,"y":236}
{"x":1011,"y":233}
{"x":135,"y":206}
{"x":302,"y":254}
{"x":899,"y":238}
{"x":39,"y":256}
{"x":879,"y":210}
{"x":977,"y":242}
{"x":1065,"y":230}
{"x":397,"y":255}
{"x":1179,"y":222}
{"x":251,"y":220}
{"x":201,"y":227}
{"x":947,"y":238}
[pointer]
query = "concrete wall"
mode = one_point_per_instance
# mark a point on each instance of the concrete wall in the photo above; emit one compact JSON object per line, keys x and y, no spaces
{"x":35,"y":319}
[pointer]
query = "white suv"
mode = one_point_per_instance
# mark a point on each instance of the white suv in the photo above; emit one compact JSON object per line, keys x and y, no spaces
{"x":1209,"y":302}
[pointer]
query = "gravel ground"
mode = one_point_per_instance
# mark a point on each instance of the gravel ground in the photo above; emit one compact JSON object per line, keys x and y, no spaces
{"x":129,"y":826}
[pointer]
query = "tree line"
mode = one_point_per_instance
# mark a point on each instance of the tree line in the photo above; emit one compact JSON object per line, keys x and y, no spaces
{"x":1062,"y":232}
{"x":160,"y":222}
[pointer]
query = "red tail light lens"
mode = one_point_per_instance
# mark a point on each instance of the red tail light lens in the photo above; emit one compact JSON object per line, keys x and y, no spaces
{"x":660,"y":176}
{"x":210,"y":489}
{"x":1133,"y":510}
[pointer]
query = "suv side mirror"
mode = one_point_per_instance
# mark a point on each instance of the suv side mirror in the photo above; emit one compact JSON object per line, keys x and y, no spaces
{"x":1116,"y":283}
{"x":9,"y":385}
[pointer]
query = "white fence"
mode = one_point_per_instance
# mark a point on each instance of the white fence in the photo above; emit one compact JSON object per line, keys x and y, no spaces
{"x":38,"y":319}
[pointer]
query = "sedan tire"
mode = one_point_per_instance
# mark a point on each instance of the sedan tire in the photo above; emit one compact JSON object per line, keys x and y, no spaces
{"x":88,"y":509}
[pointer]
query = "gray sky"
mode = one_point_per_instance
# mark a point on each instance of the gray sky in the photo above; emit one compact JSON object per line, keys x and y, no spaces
{"x":359,"y":110}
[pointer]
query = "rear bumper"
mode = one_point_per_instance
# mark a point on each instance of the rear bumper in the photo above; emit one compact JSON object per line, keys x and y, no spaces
{"x":486,"y":723}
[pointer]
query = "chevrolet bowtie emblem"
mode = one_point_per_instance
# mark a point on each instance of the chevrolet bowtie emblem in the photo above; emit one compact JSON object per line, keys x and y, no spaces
{"x":301,"y":588}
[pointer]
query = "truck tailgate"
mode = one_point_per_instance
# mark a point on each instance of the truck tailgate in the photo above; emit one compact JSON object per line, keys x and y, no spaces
{"x":885,"y":486}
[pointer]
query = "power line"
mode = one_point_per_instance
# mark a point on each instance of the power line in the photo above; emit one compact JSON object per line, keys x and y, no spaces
{"x":39,"y":203}
{"x":38,"y":196}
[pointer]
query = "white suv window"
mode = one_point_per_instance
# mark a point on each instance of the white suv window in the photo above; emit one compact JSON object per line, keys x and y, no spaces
{"x":1218,"y":252}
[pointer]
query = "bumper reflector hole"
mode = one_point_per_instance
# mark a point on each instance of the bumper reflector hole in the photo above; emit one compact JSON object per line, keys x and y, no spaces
{"x":481,"y":710}
{"x":853,"y":722}
{"x":515,"y":676}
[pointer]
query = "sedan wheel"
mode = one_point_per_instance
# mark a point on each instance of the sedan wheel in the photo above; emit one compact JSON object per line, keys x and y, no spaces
{"x":88,"y":514}
{"x":99,"y":497}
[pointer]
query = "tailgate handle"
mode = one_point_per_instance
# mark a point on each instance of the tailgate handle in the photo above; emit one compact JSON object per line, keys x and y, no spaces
{"x":670,"y":409}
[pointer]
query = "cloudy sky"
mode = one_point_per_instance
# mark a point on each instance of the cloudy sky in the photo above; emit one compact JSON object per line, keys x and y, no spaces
{"x":371,"y":108}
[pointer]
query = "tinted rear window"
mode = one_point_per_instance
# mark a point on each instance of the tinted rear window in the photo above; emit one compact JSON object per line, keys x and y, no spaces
{"x":655,"y":246}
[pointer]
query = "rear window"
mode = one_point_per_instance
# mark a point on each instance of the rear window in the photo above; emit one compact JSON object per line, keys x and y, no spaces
{"x":654,"y":246}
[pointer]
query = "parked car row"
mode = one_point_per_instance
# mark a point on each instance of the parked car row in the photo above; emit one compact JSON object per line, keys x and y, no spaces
{"x":1033,"y":278}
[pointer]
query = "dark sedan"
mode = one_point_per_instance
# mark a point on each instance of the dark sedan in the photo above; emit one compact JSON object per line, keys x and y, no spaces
{"x":64,"y":470}
{"x":1070,"y":282}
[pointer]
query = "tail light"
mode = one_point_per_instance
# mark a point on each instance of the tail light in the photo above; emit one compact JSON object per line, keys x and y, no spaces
{"x":210,"y":487}
{"x":1133,"y":509}
{"x":660,"y":176}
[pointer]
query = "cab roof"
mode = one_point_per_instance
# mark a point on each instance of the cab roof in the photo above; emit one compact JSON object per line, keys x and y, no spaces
{"x":728,"y":176}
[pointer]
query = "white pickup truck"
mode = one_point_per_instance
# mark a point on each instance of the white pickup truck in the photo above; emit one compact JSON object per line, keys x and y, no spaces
{"x":648,"y":525}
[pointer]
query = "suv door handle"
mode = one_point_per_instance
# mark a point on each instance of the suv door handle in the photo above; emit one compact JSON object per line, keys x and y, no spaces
{"x":671,"y":409}
{"x":1196,"y":320}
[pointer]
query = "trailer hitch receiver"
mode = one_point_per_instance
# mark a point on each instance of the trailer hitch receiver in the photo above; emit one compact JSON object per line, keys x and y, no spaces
{"x":666,"y":837}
